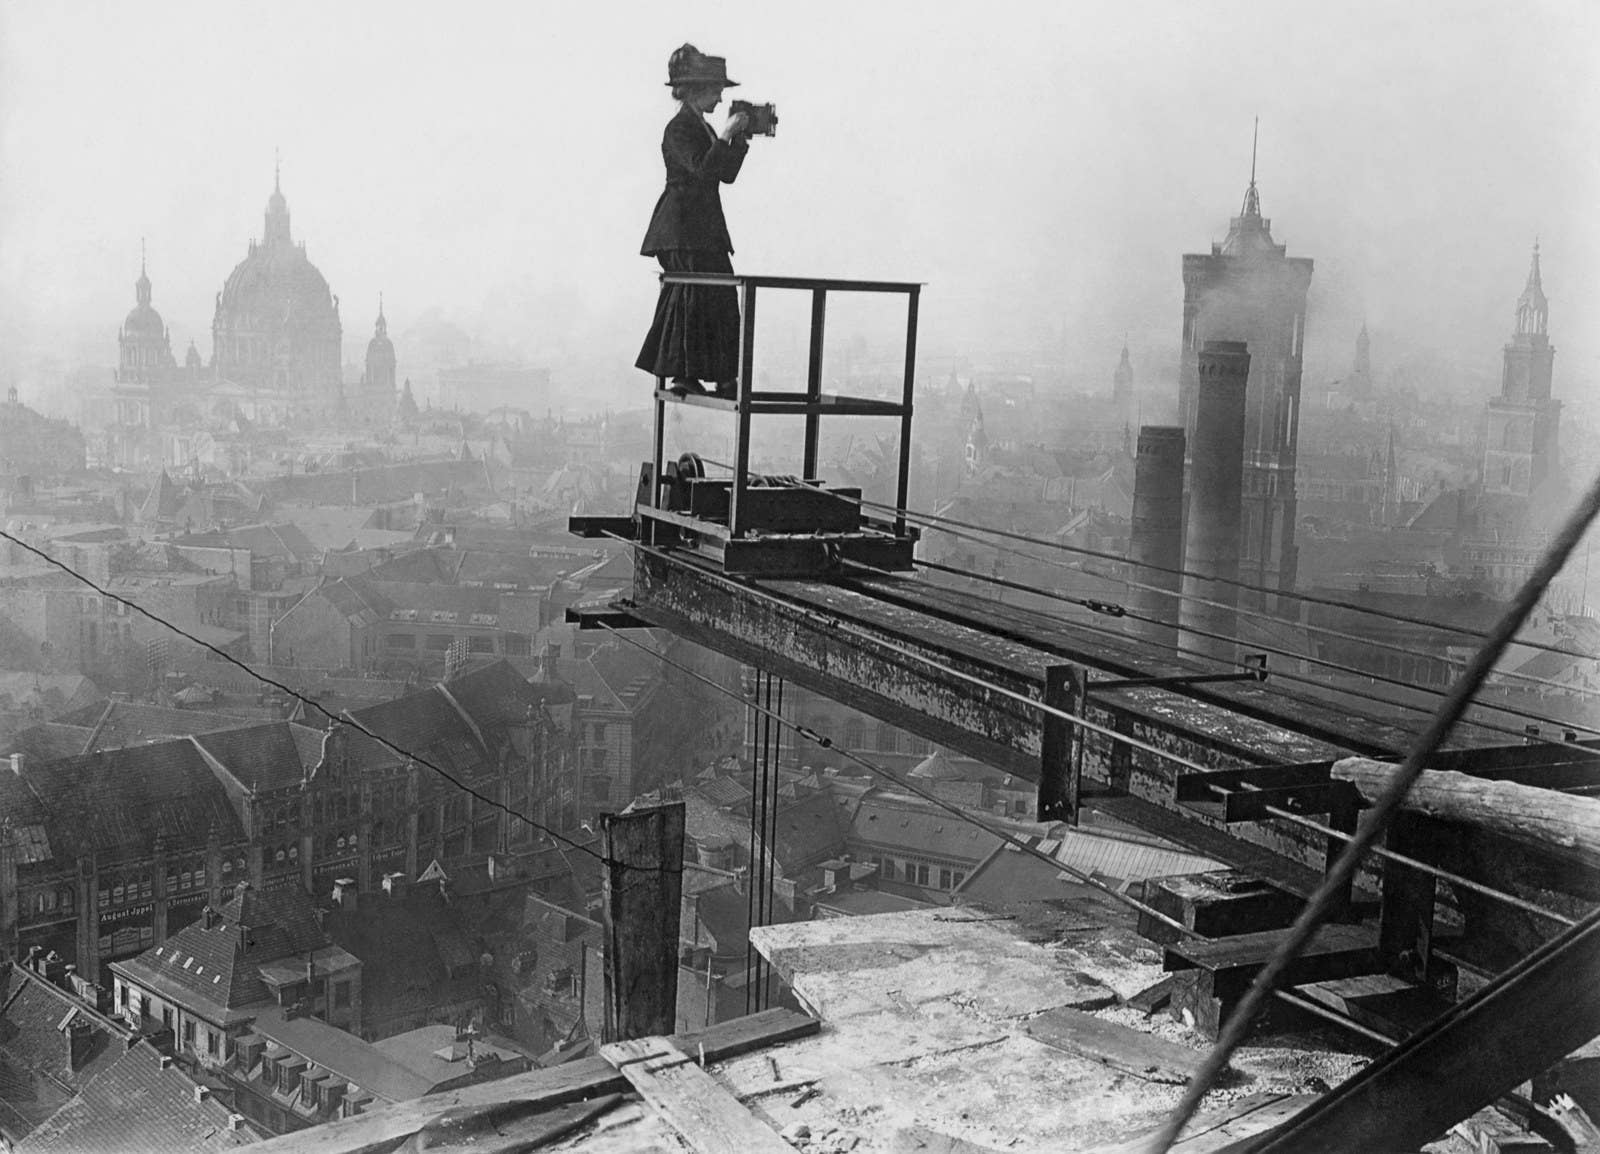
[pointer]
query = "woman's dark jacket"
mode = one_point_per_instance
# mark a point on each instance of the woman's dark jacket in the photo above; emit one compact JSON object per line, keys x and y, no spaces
{"x":689,"y":213}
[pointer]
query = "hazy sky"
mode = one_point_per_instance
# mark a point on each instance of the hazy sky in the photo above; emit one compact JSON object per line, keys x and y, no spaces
{"x":1041,"y":166}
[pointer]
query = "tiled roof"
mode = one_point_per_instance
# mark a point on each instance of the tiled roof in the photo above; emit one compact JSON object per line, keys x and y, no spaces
{"x":218,"y":964}
{"x":138,"y":1106}
{"x":355,"y":598}
{"x":896,"y":824}
{"x":123,"y":723}
{"x":35,"y":1077}
{"x":496,"y":694}
{"x":424,"y":723}
{"x":726,"y":792}
{"x":116,"y":802}
{"x":260,"y":757}
{"x":808,"y":831}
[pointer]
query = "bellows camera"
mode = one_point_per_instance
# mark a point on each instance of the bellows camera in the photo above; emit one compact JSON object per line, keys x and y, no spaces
{"x":761,"y":119}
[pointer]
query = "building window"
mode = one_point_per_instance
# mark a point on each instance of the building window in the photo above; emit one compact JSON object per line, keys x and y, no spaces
{"x":188,"y":1032}
{"x":517,"y":644}
{"x":886,"y":739}
{"x":341,"y":995}
{"x":480,"y":645}
{"x":400,"y":641}
{"x":438,"y":642}
{"x":944,"y":879}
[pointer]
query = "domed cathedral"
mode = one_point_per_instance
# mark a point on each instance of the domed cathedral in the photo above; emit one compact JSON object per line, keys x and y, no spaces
{"x":276,"y":331}
{"x":375,"y":402}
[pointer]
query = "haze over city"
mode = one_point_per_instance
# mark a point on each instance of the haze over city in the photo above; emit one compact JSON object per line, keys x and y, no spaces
{"x":1039,"y":166}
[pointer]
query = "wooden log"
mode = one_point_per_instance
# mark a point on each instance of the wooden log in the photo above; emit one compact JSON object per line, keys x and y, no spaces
{"x":1129,"y":1051}
{"x":1561,"y":823}
{"x":643,"y":886}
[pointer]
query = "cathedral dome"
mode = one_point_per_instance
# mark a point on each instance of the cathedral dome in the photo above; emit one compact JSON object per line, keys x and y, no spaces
{"x":277,"y":323}
{"x":277,"y":282}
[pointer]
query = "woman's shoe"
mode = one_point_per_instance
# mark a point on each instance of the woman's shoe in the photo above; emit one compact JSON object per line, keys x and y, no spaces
{"x":728,"y":389}
{"x":683,"y":386}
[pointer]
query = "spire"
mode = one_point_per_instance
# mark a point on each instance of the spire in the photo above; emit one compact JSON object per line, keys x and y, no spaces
{"x":1252,"y":199}
{"x":381,"y":329}
{"x":141,"y":287}
{"x":1533,"y":310}
{"x":277,"y":226}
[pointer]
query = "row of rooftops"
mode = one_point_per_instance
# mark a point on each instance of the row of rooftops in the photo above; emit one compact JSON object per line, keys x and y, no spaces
{"x":76,"y":1080}
{"x":117,"y":802}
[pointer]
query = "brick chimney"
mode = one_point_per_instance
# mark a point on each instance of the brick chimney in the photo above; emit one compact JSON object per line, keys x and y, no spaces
{"x":1216,"y":484}
{"x":344,"y":894}
{"x":236,"y":1121}
{"x":16,"y":764}
{"x":54,"y":969}
{"x":1155,"y":542}
{"x":395,"y":885}
{"x":80,"y":1041}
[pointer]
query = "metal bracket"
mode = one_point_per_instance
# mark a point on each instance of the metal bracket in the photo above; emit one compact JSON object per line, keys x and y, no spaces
{"x":613,"y":616}
{"x":1255,"y":663}
{"x":597,"y":526}
{"x":1061,"y":745}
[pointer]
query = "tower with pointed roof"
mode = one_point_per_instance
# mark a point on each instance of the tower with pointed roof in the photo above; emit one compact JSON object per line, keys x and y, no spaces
{"x":1122,"y":394}
{"x":1522,"y":430}
{"x":377,"y":400}
{"x":1361,"y":370}
{"x":1247,"y":288}
{"x":144,"y":347}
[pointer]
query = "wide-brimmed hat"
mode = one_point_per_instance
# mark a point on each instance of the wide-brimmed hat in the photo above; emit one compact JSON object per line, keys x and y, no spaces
{"x":688,"y":65}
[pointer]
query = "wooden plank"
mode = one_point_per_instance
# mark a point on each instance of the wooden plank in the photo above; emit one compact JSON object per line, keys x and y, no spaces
{"x":643,"y":888}
{"x":381,"y":1130}
{"x":692,"y":1102}
{"x":1334,"y":951}
{"x":1550,"y":822}
{"x":1152,"y":998}
{"x":1119,"y":1047}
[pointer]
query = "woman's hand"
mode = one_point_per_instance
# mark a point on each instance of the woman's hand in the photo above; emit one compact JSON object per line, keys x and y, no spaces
{"x":734,"y":128}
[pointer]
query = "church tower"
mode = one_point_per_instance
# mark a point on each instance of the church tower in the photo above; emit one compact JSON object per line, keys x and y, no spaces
{"x":1122,"y":394}
{"x":378,"y":380}
{"x":1361,"y":371}
{"x":144,"y":347}
{"x":1521,"y":435}
{"x":1248,"y":289}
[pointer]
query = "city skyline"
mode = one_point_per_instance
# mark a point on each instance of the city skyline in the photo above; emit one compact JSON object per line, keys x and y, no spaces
{"x":1419,"y":188}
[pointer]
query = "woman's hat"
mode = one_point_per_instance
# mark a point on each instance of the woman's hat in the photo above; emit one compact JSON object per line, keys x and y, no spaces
{"x":688,"y":65}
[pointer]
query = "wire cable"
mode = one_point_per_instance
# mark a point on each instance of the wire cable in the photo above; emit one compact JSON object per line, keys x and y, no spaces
{"x":937,"y":522}
{"x":312,"y":703}
{"x":1133,"y":615}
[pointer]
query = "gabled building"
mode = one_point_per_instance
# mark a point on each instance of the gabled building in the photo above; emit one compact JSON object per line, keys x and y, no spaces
{"x":209,"y":981}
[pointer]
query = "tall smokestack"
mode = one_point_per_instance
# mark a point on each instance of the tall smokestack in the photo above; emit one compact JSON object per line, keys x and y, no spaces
{"x":1156,"y":542}
{"x":1216,"y":476}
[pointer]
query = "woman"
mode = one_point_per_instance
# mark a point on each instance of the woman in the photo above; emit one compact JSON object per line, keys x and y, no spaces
{"x":695,"y":335}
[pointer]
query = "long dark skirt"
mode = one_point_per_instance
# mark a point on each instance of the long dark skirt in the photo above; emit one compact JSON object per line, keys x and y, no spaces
{"x":695,"y":333}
